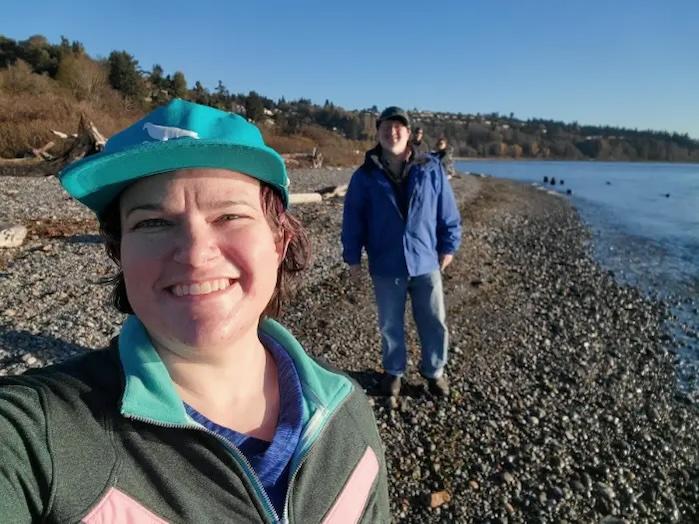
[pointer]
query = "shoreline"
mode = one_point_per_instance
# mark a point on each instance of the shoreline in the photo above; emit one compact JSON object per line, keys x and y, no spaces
{"x":564,"y":401}
{"x":581,"y":160}
{"x":564,"y":404}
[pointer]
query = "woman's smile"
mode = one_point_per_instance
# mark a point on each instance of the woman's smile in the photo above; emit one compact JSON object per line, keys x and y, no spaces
{"x":206,"y":287}
{"x":200,"y":259}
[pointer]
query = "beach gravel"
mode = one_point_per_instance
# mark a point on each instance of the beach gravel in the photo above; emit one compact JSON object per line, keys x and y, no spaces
{"x":563,"y":402}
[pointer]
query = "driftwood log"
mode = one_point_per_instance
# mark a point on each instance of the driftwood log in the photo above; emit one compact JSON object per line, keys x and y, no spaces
{"x":322,"y":194}
{"x":43,"y":152}
{"x":88,"y":141}
{"x":313,"y":159}
{"x":305,"y":198}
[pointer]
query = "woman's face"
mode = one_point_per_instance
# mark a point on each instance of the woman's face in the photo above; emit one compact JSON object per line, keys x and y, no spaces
{"x":199,"y":257}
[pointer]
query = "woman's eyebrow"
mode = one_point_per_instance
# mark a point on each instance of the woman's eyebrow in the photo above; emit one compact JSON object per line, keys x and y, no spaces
{"x":214,"y":204}
{"x":143,"y":207}
{"x":220,"y":204}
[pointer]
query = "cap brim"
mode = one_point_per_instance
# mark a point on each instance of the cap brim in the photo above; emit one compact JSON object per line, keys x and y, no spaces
{"x":401,"y":119}
{"x":97,"y":180}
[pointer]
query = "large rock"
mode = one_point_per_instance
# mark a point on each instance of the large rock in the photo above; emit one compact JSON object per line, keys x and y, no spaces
{"x":12,"y":235}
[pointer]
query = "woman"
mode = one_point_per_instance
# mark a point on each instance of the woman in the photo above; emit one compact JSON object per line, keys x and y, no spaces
{"x":443,"y":152}
{"x":203,"y":409}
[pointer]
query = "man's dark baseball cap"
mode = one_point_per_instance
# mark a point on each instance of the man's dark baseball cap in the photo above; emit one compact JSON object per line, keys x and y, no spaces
{"x":394,"y":113}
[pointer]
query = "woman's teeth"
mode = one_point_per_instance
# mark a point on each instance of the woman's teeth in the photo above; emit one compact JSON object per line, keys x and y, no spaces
{"x":201,"y":288}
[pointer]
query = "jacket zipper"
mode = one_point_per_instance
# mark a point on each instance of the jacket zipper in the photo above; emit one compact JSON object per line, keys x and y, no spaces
{"x":292,"y":477}
{"x":238,"y":454}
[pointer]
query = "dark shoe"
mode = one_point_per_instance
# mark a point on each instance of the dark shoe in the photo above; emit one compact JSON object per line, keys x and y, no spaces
{"x":390,"y":385}
{"x":439,"y":387}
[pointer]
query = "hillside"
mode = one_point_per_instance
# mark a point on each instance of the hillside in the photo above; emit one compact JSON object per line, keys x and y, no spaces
{"x":45,"y":86}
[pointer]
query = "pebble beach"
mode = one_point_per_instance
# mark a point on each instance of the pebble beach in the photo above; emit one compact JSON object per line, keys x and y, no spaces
{"x":563,"y":406}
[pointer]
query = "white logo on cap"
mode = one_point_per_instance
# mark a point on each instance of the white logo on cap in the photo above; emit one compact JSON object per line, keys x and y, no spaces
{"x":165,"y":133}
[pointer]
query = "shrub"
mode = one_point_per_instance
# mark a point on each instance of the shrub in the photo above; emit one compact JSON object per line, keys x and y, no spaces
{"x":19,"y":78}
{"x":288,"y":144}
{"x":336,"y":150}
{"x":84,"y":77}
{"x":26,"y":120}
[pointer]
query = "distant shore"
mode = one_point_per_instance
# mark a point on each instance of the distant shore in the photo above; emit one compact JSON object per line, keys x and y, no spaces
{"x":563,"y":405}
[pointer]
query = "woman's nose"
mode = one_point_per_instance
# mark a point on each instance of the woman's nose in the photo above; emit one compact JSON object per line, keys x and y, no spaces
{"x":196,"y":245}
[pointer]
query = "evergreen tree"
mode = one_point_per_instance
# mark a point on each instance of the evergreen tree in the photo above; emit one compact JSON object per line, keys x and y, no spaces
{"x":254,"y":107}
{"x":124,"y":75}
{"x":199,"y":94}
{"x":9,"y":52}
{"x":221,"y":98}
{"x":156,"y":76}
{"x":179,"y":85}
{"x":77,"y":48}
{"x":222,"y":90}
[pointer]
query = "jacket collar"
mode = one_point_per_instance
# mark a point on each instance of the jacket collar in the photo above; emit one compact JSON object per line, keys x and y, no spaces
{"x":372,"y":158}
{"x":150,"y":395}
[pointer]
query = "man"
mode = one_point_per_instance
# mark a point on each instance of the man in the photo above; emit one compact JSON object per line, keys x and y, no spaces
{"x":419,"y":143}
{"x":400,"y":208}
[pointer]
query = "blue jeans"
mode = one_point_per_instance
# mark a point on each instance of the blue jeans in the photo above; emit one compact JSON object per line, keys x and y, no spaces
{"x":427,"y":300}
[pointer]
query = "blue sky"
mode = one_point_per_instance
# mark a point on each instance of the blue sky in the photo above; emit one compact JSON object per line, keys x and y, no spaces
{"x":627,"y":63}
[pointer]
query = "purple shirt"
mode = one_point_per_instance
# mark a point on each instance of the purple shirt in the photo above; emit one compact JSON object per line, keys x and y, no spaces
{"x":270,"y":460}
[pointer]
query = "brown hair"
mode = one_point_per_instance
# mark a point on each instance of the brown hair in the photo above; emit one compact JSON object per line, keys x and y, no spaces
{"x":295,"y":243}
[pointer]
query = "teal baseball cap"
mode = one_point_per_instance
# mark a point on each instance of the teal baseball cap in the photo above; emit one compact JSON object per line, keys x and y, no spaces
{"x":178,"y":135}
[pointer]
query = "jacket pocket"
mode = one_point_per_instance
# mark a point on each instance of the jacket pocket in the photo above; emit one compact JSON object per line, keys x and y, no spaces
{"x":349,"y":505}
{"x":118,"y":508}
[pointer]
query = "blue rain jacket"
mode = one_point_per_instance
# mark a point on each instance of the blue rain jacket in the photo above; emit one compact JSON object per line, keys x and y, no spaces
{"x":397,"y":245}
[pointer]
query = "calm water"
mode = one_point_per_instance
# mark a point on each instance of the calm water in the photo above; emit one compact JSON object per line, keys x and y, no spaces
{"x":645,"y":223}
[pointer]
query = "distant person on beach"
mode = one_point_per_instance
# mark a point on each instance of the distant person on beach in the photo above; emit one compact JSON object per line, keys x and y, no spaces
{"x":204,"y":408}
{"x":418,"y":141}
{"x":444,"y":153}
{"x":400,"y":208}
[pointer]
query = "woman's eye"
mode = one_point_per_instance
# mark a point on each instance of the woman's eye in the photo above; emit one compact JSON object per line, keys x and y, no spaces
{"x":150,"y":223}
{"x":229,"y":217}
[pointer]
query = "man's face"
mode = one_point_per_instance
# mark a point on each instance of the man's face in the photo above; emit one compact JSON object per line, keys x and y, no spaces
{"x":418,"y":135}
{"x":393,"y":136}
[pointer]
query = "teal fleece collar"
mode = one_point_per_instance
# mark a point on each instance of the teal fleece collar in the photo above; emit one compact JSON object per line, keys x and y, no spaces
{"x":150,"y":394}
